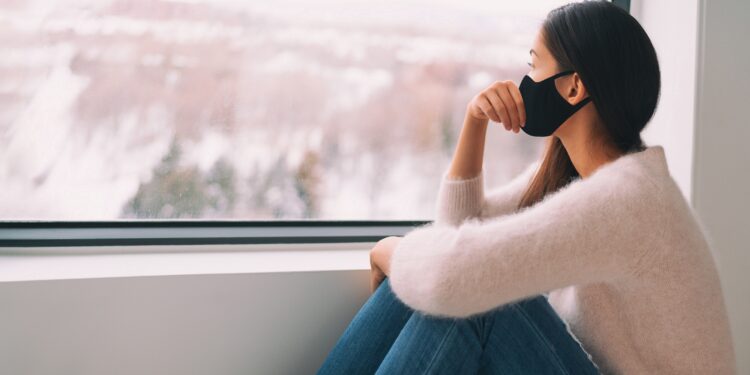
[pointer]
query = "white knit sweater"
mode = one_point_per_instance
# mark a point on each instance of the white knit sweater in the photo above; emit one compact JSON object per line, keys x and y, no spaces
{"x":620,"y":254}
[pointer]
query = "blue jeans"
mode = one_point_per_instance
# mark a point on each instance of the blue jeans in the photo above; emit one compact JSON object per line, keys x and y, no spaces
{"x":388,"y":337}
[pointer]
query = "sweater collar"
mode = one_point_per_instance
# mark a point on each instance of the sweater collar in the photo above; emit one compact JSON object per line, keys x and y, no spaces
{"x":651,"y":159}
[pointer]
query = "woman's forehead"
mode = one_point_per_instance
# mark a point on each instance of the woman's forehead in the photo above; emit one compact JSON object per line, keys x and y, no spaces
{"x":538,"y":47}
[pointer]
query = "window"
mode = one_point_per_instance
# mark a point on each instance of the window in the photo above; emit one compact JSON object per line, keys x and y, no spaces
{"x":262,"y":110}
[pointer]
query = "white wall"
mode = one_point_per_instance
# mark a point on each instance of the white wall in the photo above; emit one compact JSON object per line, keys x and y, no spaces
{"x":702,"y":121}
{"x":675,"y":40}
{"x":721,"y":171}
{"x":256,"y":323}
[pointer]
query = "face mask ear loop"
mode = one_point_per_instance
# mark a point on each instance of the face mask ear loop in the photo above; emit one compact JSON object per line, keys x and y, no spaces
{"x":558,"y":75}
{"x":582,"y":103}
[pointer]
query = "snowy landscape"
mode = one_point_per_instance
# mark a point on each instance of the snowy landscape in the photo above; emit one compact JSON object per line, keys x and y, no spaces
{"x":252,"y":110}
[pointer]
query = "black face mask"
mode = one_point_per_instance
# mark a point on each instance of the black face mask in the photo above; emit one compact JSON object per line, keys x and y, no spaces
{"x":546,"y":110}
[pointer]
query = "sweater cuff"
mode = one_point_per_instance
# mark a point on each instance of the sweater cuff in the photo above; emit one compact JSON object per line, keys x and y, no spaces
{"x":459,"y":199}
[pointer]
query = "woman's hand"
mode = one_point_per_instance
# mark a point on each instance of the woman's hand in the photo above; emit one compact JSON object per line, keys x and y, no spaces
{"x":500,"y":102}
{"x":380,"y":260}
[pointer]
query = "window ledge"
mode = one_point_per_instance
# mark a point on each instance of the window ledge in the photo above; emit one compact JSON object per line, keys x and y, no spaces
{"x":34,"y":264}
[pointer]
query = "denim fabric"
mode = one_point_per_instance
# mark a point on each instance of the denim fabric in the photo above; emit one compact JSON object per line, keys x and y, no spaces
{"x":388,"y":337}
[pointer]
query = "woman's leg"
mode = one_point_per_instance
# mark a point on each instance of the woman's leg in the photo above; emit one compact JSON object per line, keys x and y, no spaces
{"x":526,"y":337}
{"x":435,"y":345}
{"x":369,"y":336}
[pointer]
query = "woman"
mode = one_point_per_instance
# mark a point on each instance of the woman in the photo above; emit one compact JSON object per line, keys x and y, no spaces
{"x":589,"y":261}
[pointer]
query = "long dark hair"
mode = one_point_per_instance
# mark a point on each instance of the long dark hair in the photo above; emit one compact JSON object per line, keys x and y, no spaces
{"x":617,"y":64}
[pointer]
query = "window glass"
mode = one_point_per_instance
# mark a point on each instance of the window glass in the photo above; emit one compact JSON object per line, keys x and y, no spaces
{"x":258,"y":110}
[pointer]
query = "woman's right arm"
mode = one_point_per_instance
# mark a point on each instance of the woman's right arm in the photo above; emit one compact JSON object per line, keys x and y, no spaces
{"x":500,"y":102}
{"x":461,"y":192}
{"x":589,"y":232}
{"x":469,"y":154}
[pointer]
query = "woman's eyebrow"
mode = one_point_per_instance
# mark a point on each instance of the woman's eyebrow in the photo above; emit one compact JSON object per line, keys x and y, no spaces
{"x":532,"y":51}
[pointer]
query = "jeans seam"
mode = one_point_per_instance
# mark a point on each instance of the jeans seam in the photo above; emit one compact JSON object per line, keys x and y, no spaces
{"x":550,"y":347}
{"x":440,"y":347}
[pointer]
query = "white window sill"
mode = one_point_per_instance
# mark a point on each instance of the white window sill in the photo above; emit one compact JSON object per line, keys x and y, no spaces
{"x":29,"y":264}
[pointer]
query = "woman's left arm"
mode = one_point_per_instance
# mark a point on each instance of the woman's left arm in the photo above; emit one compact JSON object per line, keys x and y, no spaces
{"x":590,"y":231}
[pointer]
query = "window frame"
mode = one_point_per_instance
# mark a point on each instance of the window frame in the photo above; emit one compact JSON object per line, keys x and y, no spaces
{"x":197,"y":232}
{"x":624,"y":4}
{"x":203,"y":232}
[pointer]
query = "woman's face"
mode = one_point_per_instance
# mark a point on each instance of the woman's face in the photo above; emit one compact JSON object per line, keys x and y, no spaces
{"x":543,"y":65}
{"x":570,"y":87}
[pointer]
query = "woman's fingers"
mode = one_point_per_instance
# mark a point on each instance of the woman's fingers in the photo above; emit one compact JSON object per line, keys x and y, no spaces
{"x":501,"y":102}
{"x":510,"y":105}
{"x":499,"y":106}
{"x":515,"y":93}
{"x":486,"y":107}
{"x":376,"y":274}
{"x":376,"y":277}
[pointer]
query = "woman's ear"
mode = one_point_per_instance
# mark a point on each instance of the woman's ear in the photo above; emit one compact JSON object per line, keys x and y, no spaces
{"x":571,"y":88}
{"x":576,"y":90}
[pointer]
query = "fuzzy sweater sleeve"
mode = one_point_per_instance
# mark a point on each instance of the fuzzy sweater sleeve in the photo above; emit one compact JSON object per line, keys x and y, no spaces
{"x":461,"y":199}
{"x":591,"y":230}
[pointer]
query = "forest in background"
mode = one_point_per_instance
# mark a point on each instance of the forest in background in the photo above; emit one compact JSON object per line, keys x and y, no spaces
{"x":267,"y":110}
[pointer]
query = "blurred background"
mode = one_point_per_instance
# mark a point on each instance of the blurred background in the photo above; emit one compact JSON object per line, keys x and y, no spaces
{"x":331,"y":109}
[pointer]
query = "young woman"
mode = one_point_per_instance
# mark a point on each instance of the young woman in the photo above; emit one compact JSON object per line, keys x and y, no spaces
{"x":589,"y":261}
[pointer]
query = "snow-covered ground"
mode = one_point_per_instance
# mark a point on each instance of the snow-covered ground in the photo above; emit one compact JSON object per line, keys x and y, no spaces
{"x":326,"y":109}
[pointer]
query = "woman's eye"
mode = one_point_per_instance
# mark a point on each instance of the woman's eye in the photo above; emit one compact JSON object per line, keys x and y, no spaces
{"x":529,"y":64}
